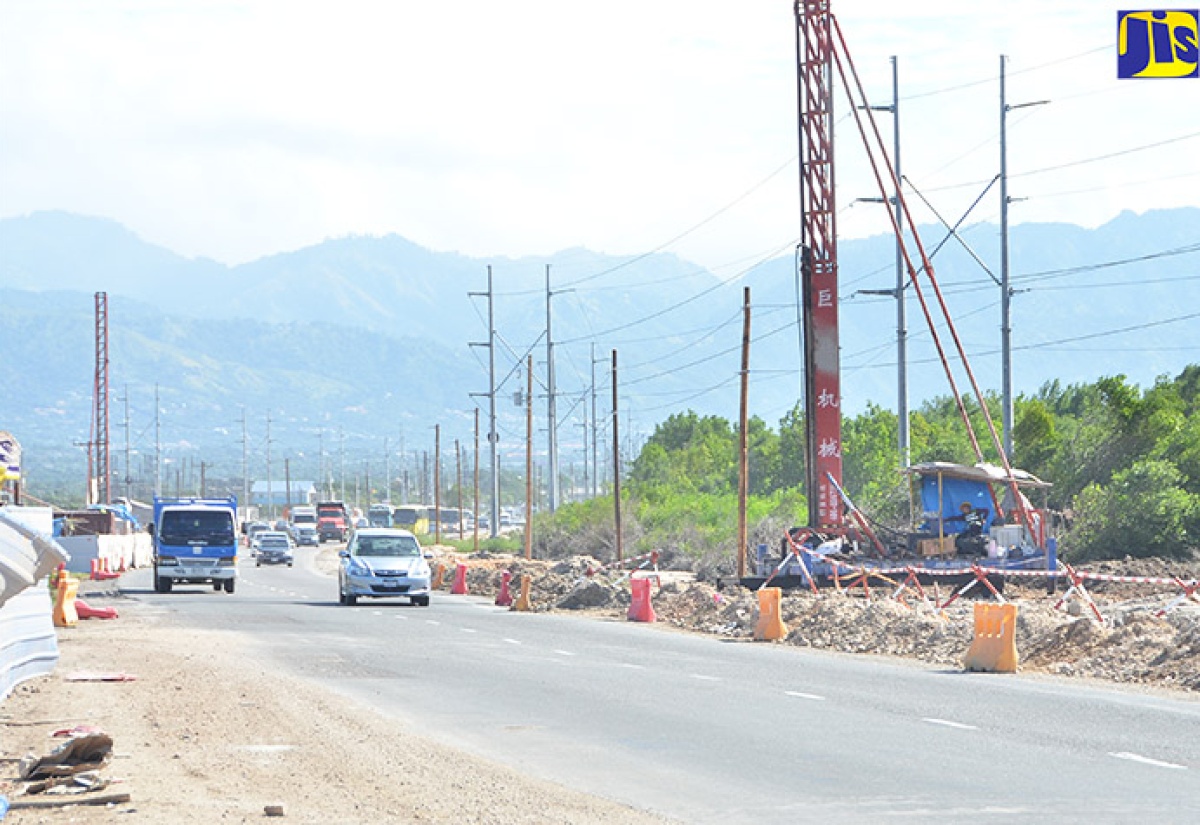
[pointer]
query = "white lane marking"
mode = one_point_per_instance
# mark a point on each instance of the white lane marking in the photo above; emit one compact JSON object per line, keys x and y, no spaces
{"x":468,"y":630}
{"x":564,"y":653}
{"x":631,"y":666}
{"x":1146,"y":760}
{"x":432,"y":621}
{"x":704,"y":678}
{"x":800,"y":695}
{"x":947,"y":723}
{"x":376,"y":612}
{"x":402,"y":618}
{"x":512,"y":641}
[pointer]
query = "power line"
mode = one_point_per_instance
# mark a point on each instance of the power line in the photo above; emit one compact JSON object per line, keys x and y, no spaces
{"x":688,"y":231}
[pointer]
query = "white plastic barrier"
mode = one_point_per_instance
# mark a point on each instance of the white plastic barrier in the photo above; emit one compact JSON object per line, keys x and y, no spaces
{"x":28,"y":644}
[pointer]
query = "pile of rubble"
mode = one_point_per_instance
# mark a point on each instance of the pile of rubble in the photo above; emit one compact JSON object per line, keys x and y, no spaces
{"x":1134,"y":645}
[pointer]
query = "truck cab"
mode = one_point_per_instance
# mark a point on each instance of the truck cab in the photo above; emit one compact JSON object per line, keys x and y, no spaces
{"x":195,"y":542}
{"x":333,"y":521}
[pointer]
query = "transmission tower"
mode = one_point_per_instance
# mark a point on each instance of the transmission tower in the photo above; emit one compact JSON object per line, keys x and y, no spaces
{"x":818,"y":263}
{"x":99,"y":476}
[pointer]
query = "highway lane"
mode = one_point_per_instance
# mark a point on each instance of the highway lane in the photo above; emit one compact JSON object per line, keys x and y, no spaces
{"x":716,"y":731}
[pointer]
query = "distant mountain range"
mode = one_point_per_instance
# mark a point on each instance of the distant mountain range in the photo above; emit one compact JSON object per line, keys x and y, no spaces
{"x":359,"y":339}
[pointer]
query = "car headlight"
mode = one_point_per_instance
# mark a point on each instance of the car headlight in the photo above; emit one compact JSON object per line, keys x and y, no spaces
{"x":359,"y":570}
{"x":419,"y":570}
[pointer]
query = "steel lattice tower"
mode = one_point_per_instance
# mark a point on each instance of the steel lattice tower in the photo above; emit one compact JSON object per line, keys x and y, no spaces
{"x":818,"y":262}
{"x":99,"y":456}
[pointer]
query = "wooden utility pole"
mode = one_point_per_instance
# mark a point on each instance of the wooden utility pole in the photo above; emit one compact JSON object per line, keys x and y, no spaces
{"x":529,"y":457}
{"x":458,"y":483}
{"x":743,"y":440}
{"x":476,"y":504}
{"x":437,"y":484}
{"x":287,"y":482}
{"x":616,"y":461}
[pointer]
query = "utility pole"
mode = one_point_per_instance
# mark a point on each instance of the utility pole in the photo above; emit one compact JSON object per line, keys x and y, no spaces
{"x":493,"y":436}
{"x":270,"y":492}
{"x":1005,"y":289}
{"x":476,"y":504}
{"x":157,"y":445}
{"x":902,"y":416}
{"x":342,"y":461}
{"x":245,"y":468}
{"x":128,"y":471}
{"x":552,"y":413}
{"x":529,"y":458}
{"x":595,"y":432}
{"x":437,"y":483}
{"x":616,"y":461}
{"x":387,"y":472}
{"x":1006,"y":292}
{"x":458,"y":484}
{"x":586,"y":480}
{"x":743,"y":439}
{"x":203,"y":491}
{"x":287,"y":483}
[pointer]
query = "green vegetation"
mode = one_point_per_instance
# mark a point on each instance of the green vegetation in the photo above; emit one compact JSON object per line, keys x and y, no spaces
{"x":1125,"y":465}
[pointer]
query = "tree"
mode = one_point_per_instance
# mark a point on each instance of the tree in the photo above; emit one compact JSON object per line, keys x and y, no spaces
{"x":1143,"y":512}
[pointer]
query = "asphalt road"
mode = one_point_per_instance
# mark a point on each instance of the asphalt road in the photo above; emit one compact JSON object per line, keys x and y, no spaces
{"x":706,"y":730}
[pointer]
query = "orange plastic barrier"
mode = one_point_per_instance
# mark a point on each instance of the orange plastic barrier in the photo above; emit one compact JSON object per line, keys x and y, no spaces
{"x":64,"y":602}
{"x":770,"y":626}
{"x":86,"y":611}
{"x":504,"y":597}
{"x":439,"y":573}
{"x":640,"y":608}
{"x":522,"y":603}
{"x":994,"y":648}
{"x":459,"y":588}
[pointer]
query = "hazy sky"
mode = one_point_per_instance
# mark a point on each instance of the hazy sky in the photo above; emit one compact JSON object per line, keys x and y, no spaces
{"x":234,"y":130}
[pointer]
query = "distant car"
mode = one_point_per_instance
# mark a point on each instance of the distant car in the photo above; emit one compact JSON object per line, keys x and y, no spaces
{"x":252,"y":529}
{"x":273,"y":547}
{"x":383,"y":562}
{"x":305,"y":535}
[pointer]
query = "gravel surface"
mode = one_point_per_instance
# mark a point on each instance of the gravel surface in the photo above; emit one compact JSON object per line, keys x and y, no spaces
{"x":184,"y":762}
{"x":263,"y":740}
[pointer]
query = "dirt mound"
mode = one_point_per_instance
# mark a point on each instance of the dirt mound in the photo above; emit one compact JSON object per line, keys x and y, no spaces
{"x":1134,"y":645}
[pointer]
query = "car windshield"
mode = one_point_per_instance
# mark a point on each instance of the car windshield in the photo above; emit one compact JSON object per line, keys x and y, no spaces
{"x":387,"y":546}
{"x":196,"y":527}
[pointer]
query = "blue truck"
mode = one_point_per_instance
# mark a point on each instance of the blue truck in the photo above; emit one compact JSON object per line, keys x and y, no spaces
{"x":195,"y":542}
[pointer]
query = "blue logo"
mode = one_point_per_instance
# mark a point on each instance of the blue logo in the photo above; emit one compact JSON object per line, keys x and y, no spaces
{"x":1160,"y":43}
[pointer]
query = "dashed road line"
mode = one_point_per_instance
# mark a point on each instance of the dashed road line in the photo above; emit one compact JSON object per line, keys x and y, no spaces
{"x":947,"y":723}
{"x":564,"y":653}
{"x":468,"y":630}
{"x":800,"y":695}
{"x":704,"y":678}
{"x":1146,"y":760}
{"x":512,"y":641}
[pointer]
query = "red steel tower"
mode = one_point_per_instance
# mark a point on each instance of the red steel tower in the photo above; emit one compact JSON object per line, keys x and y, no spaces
{"x":818,"y":263}
{"x":99,"y":475}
